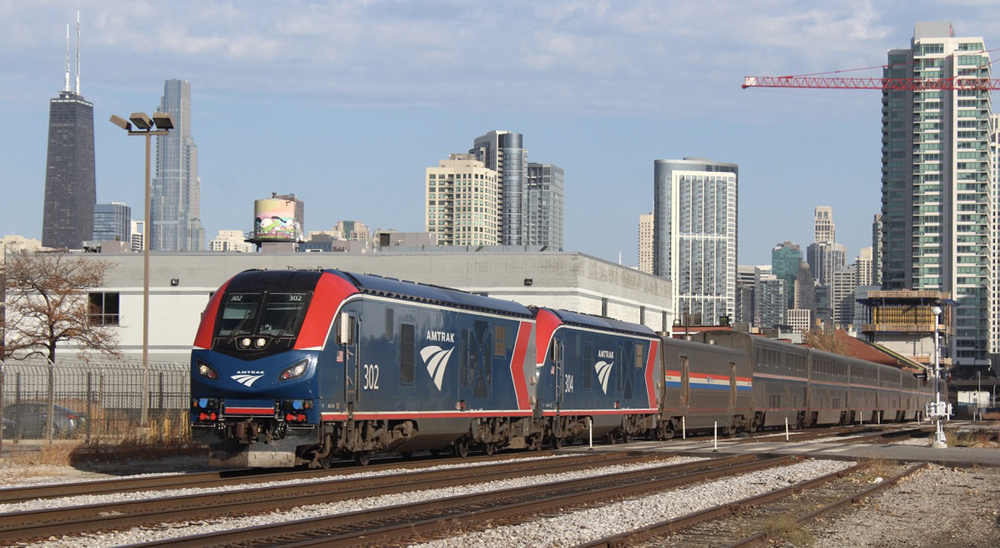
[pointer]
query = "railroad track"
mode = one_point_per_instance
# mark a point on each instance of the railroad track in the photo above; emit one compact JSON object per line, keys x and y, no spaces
{"x":243,"y":476}
{"x":404,"y":523}
{"x":727,"y":524}
{"x":30,"y":525}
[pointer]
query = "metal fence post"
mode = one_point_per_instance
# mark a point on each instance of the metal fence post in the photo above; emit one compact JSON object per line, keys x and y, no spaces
{"x":51,"y":402}
{"x":1,"y":406}
{"x":90,"y":414}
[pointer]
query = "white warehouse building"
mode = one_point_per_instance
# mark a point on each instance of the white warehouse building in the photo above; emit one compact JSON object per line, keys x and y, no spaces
{"x":181,"y":284}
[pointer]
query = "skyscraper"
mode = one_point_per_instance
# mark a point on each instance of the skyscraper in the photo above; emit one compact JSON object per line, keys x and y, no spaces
{"x":543,"y":211}
{"x":504,"y":153}
{"x":70,"y":181}
{"x":823,"y":228}
{"x":694,"y":239}
{"x":938,"y":183}
{"x":462,"y":201}
{"x":112,"y":222}
{"x":825,"y":256}
{"x":785,"y":259}
{"x":176,"y":209}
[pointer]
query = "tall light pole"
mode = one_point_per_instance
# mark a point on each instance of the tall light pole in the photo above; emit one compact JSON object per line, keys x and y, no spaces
{"x":939,"y":440}
{"x":163,"y":122}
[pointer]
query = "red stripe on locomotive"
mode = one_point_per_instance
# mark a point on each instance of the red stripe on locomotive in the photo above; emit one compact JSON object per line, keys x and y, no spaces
{"x":330,"y":292}
{"x":204,"y":337}
{"x":517,"y":365}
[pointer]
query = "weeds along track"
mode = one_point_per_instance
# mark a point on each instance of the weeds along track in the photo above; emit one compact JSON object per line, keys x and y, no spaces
{"x":776,"y":515}
{"x":438,"y":518}
{"x":72,"y":520}
{"x":224,"y":478}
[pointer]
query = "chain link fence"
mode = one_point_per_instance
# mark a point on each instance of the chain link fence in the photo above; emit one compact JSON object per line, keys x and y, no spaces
{"x":91,"y":401}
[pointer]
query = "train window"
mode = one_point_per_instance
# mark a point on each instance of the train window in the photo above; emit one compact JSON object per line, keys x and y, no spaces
{"x":406,"y":354}
{"x":239,"y":314}
{"x":283,"y":314}
{"x":466,"y":367}
{"x":389,"y":328}
{"x":639,"y":362}
{"x":588,"y":367}
{"x":499,"y":340}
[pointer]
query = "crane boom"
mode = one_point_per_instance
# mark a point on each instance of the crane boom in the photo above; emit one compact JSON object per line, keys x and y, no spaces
{"x":829,"y":82}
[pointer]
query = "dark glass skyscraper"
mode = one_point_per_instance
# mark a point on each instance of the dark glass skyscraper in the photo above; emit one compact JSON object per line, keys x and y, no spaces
{"x":176,"y":207}
{"x":70,"y":182}
{"x":503,"y":152}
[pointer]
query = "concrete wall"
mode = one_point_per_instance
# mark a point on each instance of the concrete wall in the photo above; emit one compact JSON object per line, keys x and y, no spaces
{"x":569,"y":281}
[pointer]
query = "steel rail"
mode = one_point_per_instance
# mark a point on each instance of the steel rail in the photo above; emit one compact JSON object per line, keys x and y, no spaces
{"x":846,"y":501}
{"x":97,"y":517}
{"x":226,"y":477}
{"x":432,"y":517}
{"x":652,"y":530}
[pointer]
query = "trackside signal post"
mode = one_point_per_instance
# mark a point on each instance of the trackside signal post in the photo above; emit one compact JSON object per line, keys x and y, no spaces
{"x":938,"y":410}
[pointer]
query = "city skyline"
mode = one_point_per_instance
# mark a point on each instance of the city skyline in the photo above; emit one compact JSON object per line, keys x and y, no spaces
{"x":585,"y":95}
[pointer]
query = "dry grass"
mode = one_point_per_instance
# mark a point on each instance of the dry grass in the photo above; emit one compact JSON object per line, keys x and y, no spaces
{"x":51,"y":454}
{"x":163,"y":439}
{"x":875,"y":470}
{"x":787,"y":530}
{"x":975,"y":438}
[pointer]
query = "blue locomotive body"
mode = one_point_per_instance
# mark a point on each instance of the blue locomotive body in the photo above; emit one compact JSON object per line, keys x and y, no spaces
{"x":596,"y":376}
{"x":368,"y":364}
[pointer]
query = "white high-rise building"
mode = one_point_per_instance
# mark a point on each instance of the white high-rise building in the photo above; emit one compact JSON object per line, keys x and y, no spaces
{"x":823,"y":228}
{"x":646,"y":243}
{"x":461,"y":201}
{"x":694,"y":240}
{"x":938,"y":188}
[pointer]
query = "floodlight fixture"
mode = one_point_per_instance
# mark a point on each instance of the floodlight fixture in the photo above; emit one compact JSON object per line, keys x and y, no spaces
{"x":163,"y":120}
{"x":141,"y":120}
{"x":121,"y":122}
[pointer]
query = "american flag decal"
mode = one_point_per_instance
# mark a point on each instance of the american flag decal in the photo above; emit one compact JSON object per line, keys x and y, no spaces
{"x":340,"y":356}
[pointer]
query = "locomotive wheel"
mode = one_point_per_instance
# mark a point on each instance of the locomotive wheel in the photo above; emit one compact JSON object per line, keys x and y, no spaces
{"x":362,"y":458}
{"x":489,"y":448}
{"x":611,"y":438}
{"x":557,"y":442}
{"x":461,"y":448}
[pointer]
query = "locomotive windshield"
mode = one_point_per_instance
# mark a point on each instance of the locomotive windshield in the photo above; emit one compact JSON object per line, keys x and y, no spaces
{"x":275,"y":316}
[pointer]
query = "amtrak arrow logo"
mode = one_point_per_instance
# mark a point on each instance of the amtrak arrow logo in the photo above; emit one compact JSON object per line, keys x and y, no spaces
{"x":436,"y":359}
{"x":246,"y":380}
{"x":603,"y":373}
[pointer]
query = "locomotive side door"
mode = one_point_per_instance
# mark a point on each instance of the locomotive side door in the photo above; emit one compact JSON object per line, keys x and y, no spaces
{"x":558,"y":363}
{"x":347,"y":338}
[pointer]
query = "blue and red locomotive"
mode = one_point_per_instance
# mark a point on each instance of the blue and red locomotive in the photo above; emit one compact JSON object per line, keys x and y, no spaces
{"x":307,"y":367}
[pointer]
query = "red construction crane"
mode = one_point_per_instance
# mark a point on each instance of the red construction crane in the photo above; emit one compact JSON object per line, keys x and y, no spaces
{"x":833,"y":82}
{"x":825,"y":80}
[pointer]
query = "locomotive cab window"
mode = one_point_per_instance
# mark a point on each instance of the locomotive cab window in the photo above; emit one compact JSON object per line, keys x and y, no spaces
{"x":283,"y":314}
{"x":239,"y":314}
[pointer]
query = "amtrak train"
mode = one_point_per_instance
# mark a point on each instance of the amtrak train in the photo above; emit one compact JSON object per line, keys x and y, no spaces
{"x":307,"y":367}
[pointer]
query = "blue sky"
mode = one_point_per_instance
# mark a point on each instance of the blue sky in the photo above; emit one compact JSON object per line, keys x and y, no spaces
{"x":346,"y":103}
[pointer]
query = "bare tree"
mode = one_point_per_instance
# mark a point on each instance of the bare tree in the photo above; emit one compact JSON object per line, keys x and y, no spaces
{"x":830,"y":342}
{"x":48,"y":303}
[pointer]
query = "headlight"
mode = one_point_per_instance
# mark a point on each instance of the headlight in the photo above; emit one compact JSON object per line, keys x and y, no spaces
{"x":206,"y":370}
{"x":295,"y":371}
